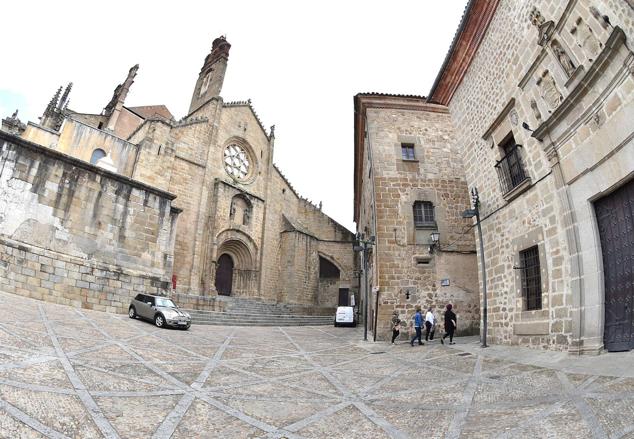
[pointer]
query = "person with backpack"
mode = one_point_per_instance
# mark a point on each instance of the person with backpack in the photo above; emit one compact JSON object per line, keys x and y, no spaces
{"x":418,"y":325}
{"x":450,"y":324}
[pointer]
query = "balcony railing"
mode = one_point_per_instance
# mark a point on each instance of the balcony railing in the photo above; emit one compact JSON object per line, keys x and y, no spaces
{"x":510,"y":170}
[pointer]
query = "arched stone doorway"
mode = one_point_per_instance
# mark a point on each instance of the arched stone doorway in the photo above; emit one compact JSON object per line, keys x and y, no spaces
{"x":224,"y":275}
{"x":234,"y":270}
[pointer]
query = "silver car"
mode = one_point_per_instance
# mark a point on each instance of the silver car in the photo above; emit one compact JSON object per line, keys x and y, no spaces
{"x":161,"y":310}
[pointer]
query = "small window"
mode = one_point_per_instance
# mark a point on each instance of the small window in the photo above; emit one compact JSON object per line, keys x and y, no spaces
{"x":97,"y":155}
{"x":407,"y":151}
{"x":531,"y":278}
{"x":424,"y":214}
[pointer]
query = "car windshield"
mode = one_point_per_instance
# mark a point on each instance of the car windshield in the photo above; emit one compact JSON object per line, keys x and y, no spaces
{"x":165,"y":302}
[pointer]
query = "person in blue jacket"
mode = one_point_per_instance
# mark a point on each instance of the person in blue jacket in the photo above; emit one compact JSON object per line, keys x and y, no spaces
{"x":418,"y":324}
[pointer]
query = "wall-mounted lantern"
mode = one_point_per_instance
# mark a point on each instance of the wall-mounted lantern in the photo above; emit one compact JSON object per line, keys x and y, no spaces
{"x":434,"y":240}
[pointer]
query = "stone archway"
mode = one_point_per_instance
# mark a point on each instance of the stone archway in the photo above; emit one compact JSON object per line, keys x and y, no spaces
{"x":235,"y":273}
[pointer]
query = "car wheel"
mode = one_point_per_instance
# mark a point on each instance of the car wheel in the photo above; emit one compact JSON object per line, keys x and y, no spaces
{"x":187,"y":327}
{"x":132,"y":313}
{"x":336,"y":324}
{"x":159,"y":320}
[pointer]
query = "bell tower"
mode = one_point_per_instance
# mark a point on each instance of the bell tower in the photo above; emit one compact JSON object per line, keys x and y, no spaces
{"x":212,"y":74}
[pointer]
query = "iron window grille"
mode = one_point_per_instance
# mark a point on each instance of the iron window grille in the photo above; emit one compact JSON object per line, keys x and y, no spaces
{"x":424,"y":214}
{"x":531,"y":278}
{"x":407,"y":151}
{"x":510,"y":169}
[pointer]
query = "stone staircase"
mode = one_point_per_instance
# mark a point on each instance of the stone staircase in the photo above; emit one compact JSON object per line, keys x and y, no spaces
{"x":250,"y":312}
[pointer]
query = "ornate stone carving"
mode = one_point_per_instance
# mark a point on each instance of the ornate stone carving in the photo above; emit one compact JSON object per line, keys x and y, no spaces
{"x":604,"y":20}
{"x":586,"y":39}
{"x":536,"y":113}
{"x":563,"y":58}
{"x":545,"y":28}
{"x":513,"y":117}
{"x":548,"y":91}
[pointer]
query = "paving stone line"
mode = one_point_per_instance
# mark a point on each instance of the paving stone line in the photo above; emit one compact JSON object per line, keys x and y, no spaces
{"x":171,"y":421}
{"x":458,"y":421}
{"x":31,"y":422}
{"x":348,"y":395}
{"x":583,"y":408}
{"x":91,"y":406}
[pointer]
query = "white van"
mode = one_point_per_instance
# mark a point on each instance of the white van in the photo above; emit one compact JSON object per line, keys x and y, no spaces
{"x":345,"y":316}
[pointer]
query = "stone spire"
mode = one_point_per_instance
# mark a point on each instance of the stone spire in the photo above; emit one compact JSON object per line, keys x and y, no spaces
{"x":212,"y":73}
{"x":113,"y":109}
{"x":63,"y":102}
{"x":54,"y":113}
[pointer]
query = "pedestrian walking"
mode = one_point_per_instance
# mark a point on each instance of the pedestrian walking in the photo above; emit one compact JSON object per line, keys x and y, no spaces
{"x":418,"y":327}
{"x":450,"y":324}
{"x":429,"y":324}
{"x":396,"y":326}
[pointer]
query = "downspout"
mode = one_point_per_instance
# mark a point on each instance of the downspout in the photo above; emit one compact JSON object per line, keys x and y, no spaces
{"x":375,"y":264}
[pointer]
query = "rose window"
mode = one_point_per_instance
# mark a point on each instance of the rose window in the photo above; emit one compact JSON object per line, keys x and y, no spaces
{"x":236,"y":161}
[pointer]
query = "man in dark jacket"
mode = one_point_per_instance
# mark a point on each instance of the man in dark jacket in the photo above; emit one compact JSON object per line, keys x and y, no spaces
{"x":450,"y":324}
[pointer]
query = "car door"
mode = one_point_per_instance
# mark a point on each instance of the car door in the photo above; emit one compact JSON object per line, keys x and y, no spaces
{"x":145,"y":307}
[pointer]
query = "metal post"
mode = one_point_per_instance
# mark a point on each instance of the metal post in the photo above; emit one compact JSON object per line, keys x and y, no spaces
{"x":365,"y":300}
{"x":476,"y":202}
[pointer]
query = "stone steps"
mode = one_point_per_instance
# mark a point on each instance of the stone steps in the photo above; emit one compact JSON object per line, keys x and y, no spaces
{"x":250,"y":312}
{"x":257,"y":319}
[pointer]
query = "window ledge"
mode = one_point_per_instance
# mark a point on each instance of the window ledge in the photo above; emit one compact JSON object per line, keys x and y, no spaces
{"x":410,"y":160}
{"x":517,"y":190}
{"x":426,"y":226}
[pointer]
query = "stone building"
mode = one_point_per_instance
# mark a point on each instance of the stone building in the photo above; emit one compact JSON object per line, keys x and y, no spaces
{"x":409,"y":184}
{"x":543,"y":111}
{"x":542,"y":114}
{"x":242,"y":229}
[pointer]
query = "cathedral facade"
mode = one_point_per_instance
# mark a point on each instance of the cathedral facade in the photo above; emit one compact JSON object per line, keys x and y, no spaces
{"x":241,"y":229}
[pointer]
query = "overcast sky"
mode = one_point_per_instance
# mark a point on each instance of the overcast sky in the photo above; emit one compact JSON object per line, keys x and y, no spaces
{"x":299,"y":62}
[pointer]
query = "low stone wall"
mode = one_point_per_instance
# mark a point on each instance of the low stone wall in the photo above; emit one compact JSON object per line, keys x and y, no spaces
{"x":46,"y":275}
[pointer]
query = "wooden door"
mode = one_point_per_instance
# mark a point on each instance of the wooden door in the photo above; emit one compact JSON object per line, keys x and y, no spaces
{"x":615,"y":217}
{"x":224,"y":275}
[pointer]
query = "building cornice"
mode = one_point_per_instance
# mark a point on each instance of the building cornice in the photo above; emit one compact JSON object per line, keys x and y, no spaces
{"x":471,"y":31}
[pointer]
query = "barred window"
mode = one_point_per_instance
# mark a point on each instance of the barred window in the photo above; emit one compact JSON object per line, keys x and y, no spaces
{"x":407,"y":151}
{"x":531,"y":278}
{"x":424,"y":214}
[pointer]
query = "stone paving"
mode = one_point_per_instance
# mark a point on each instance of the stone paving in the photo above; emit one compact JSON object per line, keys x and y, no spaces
{"x":68,"y":373}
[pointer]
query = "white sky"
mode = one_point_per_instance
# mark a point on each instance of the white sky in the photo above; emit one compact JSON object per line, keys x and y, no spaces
{"x":301,"y":64}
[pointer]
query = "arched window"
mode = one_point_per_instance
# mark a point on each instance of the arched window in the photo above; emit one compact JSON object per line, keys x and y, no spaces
{"x":327,"y":269}
{"x":240,"y":210}
{"x":97,"y":154}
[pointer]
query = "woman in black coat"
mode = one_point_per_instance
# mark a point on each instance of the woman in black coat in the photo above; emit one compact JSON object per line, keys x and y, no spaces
{"x":450,"y":324}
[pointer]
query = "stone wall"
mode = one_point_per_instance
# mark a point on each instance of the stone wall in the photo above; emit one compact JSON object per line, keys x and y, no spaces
{"x":406,"y":273}
{"x":576,"y":114}
{"x":75,"y":234}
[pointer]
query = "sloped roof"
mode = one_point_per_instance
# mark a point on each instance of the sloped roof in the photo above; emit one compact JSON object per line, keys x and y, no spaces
{"x":150,"y":111}
{"x":473,"y":25}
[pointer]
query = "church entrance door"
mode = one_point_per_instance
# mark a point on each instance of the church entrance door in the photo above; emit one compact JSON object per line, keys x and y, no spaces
{"x":224,"y":275}
{"x":615,"y":217}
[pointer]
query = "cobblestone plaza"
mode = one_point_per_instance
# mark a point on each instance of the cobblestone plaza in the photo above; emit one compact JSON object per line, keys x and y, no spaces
{"x":85,"y":374}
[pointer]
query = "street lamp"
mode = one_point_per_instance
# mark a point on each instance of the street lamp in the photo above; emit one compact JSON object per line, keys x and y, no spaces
{"x":363,"y":246}
{"x":470,"y":213}
{"x":434,"y":240}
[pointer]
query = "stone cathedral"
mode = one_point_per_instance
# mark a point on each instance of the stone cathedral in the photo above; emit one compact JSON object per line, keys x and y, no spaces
{"x":132,"y":199}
